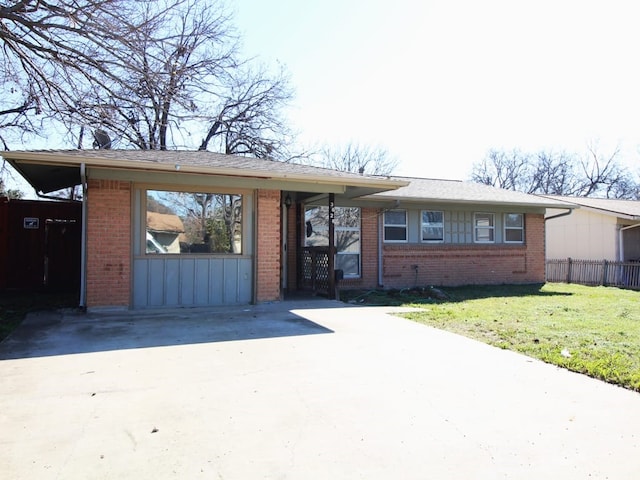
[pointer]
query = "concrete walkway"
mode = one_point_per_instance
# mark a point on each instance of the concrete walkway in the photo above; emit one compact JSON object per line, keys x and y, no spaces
{"x":300,"y":390}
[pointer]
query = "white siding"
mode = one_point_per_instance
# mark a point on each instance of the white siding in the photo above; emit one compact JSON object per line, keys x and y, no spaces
{"x":584,"y":235}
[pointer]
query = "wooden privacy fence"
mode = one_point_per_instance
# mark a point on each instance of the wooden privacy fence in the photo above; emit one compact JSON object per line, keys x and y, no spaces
{"x":594,"y":272}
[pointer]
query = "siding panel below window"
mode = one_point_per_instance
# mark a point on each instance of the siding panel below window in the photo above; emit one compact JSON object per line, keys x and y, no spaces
{"x":177,"y":281}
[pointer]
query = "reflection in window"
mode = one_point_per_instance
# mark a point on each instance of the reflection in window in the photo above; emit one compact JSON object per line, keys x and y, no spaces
{"x":514,"y":227}
{"x":395,"y":226}
{"x":346,"y":233}
{"x":484,"y":227}
{"x":432,"y":226}
{"x":187,"y":222}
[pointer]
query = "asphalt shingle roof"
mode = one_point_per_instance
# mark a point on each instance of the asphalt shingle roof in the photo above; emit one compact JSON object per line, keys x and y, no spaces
{"x":457,"y":191}
{"x":608,"y":205}
{"x":204,"y":159}
{"x":49,"y":170}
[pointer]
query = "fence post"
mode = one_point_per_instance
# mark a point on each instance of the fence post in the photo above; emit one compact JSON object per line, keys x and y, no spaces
{"x":605,"y":265}
{"x":569,"y":270}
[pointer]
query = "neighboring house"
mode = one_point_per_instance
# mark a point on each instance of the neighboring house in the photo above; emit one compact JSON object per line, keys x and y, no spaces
{"x":600,"y":229}
{"x":253,"y":230}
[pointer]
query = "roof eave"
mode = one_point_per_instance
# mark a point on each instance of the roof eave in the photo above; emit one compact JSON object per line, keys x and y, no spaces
{"x":47,"y":158}
{"x":461,"y":201}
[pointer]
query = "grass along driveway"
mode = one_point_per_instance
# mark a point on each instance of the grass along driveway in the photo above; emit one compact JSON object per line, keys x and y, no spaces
{"x":591,"y":330}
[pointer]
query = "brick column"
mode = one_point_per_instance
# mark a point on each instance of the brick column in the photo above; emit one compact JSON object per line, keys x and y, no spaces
{"x":535,"y":240}
{"x":268,"y":246}
{"x":108,"y":243}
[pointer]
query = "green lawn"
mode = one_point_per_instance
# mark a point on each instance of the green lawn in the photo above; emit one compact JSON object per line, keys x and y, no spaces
{"x":592,"y":330}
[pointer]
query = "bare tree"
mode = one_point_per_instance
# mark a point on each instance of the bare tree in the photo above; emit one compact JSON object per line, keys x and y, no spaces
{"x":167,"y":68}
{"x":5,"y":191}
{"x":248,"y":120}
{"x":552,"y":174}
{"x":47,"y":47}
{"x":152,"y":74}
{"x":503,"y":169}
{"x":9,"y":192}
{"x":593,"y":174}
{"x":357,"y":159}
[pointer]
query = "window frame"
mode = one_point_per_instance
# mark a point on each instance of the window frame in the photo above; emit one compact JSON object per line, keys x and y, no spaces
{"x":491,"y":228}
{"x":144,"y":209}
{"x":337,"y":228}
{"x":358,"y":229}
{"x":404,"y":226}
{"x":506,"y":227}
{"x":422,"y":227}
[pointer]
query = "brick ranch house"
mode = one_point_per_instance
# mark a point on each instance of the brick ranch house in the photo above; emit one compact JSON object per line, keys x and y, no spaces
{"x":254,"y":230}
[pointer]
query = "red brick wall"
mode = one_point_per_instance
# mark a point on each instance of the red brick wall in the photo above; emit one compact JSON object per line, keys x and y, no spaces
{"x":440,"y":264}
{"x":536,"y":246}
{"x":108,"y":243}
{"x":268,"y":246}
{"x":451,"y":265}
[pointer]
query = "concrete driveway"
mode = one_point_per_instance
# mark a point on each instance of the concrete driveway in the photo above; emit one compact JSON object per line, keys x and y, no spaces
{"x":300,"y":390}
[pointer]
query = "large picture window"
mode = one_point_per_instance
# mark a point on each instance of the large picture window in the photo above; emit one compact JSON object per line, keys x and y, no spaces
{"x":432,"y":226}
{"x":346,"y":235}
{"x":514,"y":228}
{"x":395,"y":226}
{"x":484,"y":227}
{"x":193,"y":223}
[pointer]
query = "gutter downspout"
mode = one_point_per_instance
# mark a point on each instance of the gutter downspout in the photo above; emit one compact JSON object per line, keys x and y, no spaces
{"x":563,"y":214}
{"x":83,"y":240}
{"x":49,"y":197}
{"x":621,"y":242}
{"x":255,"y":242}
{"x":380,"y":245}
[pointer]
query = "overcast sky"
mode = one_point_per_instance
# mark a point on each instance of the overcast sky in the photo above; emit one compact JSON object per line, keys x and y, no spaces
{"x":439,"y":82}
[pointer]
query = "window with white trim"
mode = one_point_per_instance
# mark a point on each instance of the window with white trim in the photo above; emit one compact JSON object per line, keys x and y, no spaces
{"x":432,"y":226}
{"x":484,"y":227}
{"x":395,"y":226}
{"x":513,"y":228}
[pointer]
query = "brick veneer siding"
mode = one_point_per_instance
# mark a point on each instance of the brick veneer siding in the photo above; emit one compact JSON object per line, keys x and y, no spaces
{"x":108,"y":243}
{"x":452,"y":265}
{"x":438,"y":264}
{"x":268,"y":246}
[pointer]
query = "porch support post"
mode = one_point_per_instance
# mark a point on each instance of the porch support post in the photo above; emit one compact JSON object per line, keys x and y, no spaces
{"x":299,"y":246}
{"x":332,"y":248}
